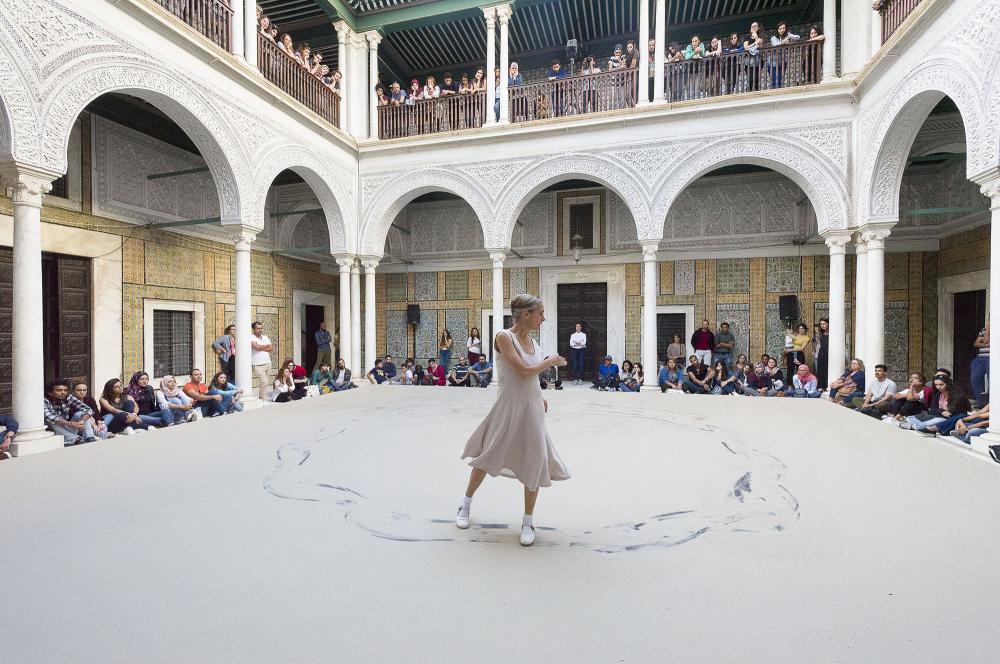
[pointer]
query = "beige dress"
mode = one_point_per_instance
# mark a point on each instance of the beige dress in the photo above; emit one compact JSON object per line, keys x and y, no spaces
{"x":512,"y":440}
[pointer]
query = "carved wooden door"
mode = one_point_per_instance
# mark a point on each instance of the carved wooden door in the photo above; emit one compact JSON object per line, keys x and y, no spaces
{"x":6,"y":322}
{"x":74,"y":320}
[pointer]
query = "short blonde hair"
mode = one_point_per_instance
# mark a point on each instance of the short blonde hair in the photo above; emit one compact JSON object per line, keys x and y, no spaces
{"x":522,"y":304}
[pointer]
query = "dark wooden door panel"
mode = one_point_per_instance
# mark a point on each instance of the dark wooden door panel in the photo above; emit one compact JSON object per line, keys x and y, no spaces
{"x":74,"y":318}
{"x":6,"y":322}
{"x":587,"y":304}
{"x":970,"y":317}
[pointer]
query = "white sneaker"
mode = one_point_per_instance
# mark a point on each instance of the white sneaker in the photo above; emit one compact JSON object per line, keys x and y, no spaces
{"x":462,"y":521}
{"x":128,"y":431}
{"x":527,"y":535}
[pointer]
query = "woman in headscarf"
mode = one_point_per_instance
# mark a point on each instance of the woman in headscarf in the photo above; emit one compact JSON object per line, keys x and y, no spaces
{"x":176,"y":406}
{"x":144,"y":397}
{"x":803,"y":384}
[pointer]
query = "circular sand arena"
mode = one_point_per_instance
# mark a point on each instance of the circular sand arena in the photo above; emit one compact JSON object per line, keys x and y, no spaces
{"x":693,"y":529}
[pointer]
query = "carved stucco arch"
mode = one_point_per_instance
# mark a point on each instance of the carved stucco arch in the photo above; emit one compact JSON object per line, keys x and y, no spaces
{"x":323,"y":181}
{"x":397,"y":192}
{"x":818,"y":177}
{"x":892,"y":128}
{"x":20,"y":128}
{"x":614,"y":175}
{"x":179,"y":98}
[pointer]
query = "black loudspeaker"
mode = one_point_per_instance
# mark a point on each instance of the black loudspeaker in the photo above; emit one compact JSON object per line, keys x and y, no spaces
{"x":788,"y":308}
{"x":413,"y":314}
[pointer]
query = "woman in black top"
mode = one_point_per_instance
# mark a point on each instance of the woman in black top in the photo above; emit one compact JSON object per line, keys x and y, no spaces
{"x":822,"y":341}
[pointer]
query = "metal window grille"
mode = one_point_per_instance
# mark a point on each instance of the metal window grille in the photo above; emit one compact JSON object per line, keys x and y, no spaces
{"x":173,"y":343}
{"x":581,"y":222}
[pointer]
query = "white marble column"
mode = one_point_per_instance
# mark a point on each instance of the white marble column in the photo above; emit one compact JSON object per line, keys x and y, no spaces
{"x":344,"y":302}
{"x":860,"y":297}
{"x":369,"y":263}
{"x":643,"y":48}
{"x":242,"y":240}
{"x":250,"y":30}
{"x":503,"y":16}
{"x":236,"y":29}
{"x":992,"y":190}
{"x":659,"y":61}
{"x":836,"y":360}
{"x":356,"y":316}
{"x":343,"y":33}
{"x":875,"y":235}
{"x":374,"y":39}
{"x":498,"y":258}
{"x":830,"y":40}
{"x":489,"y":15}
{"x":650,"y":289}
{"x":27,"y":347}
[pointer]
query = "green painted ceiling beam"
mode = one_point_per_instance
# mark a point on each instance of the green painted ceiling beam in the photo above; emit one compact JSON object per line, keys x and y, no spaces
{"x":920,"y":212}
{"x":338,"y":9}
{"x":407,"y":17}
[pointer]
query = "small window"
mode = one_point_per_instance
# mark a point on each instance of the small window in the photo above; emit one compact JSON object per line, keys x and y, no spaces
{"x":60,"y":187}
{"x":173,"y":342}
{"x":581,"y":222}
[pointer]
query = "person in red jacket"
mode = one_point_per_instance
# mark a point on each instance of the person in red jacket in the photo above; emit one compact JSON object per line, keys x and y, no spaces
{"x":435,"y":373}
{"x":703,"y":342}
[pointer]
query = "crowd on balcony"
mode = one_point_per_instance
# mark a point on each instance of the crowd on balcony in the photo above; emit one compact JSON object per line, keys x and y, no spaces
{"x":301,"y":53}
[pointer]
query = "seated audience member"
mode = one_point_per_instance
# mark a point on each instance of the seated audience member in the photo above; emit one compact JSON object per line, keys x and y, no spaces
{"x":740,"y":373}
{"x":948,"y":426}
{"x":640,"y":374}
{"x":119,"y":412}
{"x":850,"y":385}
{"x":481,"y":372}
{"x":774,"y":371}
{"x":804,"y":384}
{"x":377,"y":375}
{"x":976,"y":423}
{"x":10,"y":427}
{"x":459,"y":375}
{"x":760,"y":383}
{"x":342,"y":377}
{"x":723,"y":381}
{"x":946,"y":401}
{"x":670,"y":377}
{"x":698,"y":377}
{"x":628,"y":380}
{"x":231,"y":395}
{"x":914,"y":399}
{"x":878,"y":399}
{"x":142,"y":393}
{"x":406,"y":375}
{"x":323,"y":378}
{"x":59,"y":407}
{"x":81,"y":391}
{"x":607,"y":375}
{"x":172,"y":401}
{"x":299,"y":378}
{"x":550,"y":376}
{"x":419,"y":375}
{"x":389,"y":367}
{"x":283,"y":387}
{"x":435,"y":373}
{"x":210,"y":405}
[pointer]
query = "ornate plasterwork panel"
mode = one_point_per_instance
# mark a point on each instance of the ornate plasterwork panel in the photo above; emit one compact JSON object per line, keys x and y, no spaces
{"x":535,"y":233}
{"x":440,"y":231}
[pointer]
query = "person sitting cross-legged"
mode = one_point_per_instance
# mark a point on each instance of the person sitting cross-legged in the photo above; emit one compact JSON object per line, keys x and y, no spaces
{"x":196,"y":389}
{"x":608,"y":375}
{"x":459,"y":375}
{"x":698,"y":377}
{"x":342,"y":377}
{"x":946,"y":401}
{"x":850,"y":385}
{"x":760,"y":383}
{"x":377,"y":374}
{"x":804,"y":384}
{"x":389,"y":367}
{"x":119,"y":411}
{"x":435,"y":373}
{"x":323,"y":378}
{"x":299,"y":379}
{"x":878,"y":399}
{"x":172,"y":401}
{"x":481,"y":371}
{"x":914,"y":399}
{"x":58,"y":405}
{"x":670,"y":377}
{"x":231,"y":395}
{"x":550,"y":376}
{"x":976,"y":423}
{"x":723,"y":380}
{"x":10,"y":428}
{"x":628,"y":379}
{"x":81,"y":391}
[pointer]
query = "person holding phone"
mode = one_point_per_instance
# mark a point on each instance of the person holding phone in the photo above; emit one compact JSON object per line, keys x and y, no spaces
{"x":512,"y":440}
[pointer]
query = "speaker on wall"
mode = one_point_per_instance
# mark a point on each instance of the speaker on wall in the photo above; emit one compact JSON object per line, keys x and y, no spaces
{"x":788,"y":308}
{"x":413,"y":314}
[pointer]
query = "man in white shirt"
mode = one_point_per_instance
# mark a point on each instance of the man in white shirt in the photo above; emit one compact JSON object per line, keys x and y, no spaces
{"x":878,"y":400}
{"x":342,"y":377}
{"x":577,"y":353}
{"x":260,"y":358}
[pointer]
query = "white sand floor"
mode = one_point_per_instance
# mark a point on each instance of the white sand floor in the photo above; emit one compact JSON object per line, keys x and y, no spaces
{"x":695,"y":529}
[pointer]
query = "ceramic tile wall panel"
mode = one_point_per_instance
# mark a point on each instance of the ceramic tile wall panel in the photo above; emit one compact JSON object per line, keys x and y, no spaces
{"x":457,"y":321}
{"x":427,"y":335}
{"x":821,"y":274}
{"x":395,"y":338}
{"x":518,"y":280}
{"x":684,"y":277}
{"x":456,"y":285}
{"x":897,"y":337}
{"x":425,"y":285}
{"x":395,"y":285}
{"x":732,"y":275}
{"x":897,"y":271}
{"x":784,"y":274}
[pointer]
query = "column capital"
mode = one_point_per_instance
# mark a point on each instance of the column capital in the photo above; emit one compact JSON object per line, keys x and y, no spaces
{"x":27,"y":183}
{"x":991,"y":189}
{"x":242,"y":238}
{"x":874,"y":234}
{"x":345,"y":261}
{"x":370,"y":263}
{"x":355,"y":268}
{"x":343,"y":31}
{"x":837,"y":240}
{"x":490,"y":15}
{"x":498,"y":256}
{"x":650,"y":249}
{"x":504,"y":13}
{"x":373,"y":38}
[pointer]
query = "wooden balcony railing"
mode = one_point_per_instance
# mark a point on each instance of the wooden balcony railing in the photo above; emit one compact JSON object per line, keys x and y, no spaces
{"x":893,"y":15}
{"x":573,"y":95}
{"x":429,"y":116}
{"x":212,"y":18}
{"x":286,"y":73}
{"x":772,"y":68}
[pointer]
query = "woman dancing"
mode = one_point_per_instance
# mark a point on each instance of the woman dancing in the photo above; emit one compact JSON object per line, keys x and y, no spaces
{"x":512,"y":440}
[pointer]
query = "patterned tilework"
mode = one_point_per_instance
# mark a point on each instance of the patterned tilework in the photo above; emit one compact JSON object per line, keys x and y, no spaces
{"x":774,"y":331}
{"x":395,"y":337}
{"x":456,"y":285}
{"x":732,"y":275}
{"x":964,"y":252}
{"x":666,"y":278}
{"x":457,"y":320}
{"x":427,"y":335}
{"x":897,"y":336}
{"x":533,"y":276}
{"x":170,"y":265}
{"x":684,"y":277}
{"x":784,"y":274}
{"x":487,"y":277}
{"x":395,"y":285}
{"x":518,"y":280}
{"x":633,"y":328}
{"x":821,"y":274}
{"x":633,"y":279}
{"x":261,"y":274}
{"x":897,"y":271}
{"x":738,"y":317}
{"x":425,"y":285}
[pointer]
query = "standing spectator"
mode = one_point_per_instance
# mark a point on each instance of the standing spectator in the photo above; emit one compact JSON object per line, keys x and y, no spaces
{"x":323,"y":350}
{"x":445,"y":346}
{"x":396,"y":95}
{"x":482,"y":372}
{"x":377,"y":374}
{"x":119,"y":412}
{"x":778,"y":60}
{"x":607,"y":375}
{"x":878,"y":399}
{"x":479,"y":80}
{"x":677,"y":351}
{"x":670,"y":377}
{"x":459,"y":376}
{"x":210,"y":405}
{"x":753,"y":46}
{"x":695,"y":50}
{"x":577,"y":353}
{"x":850,"y":385}
{"x":698,"y":378}
{"x":590,"y":100}
{"x":796,"y":354}
{"x":225,"y":349}
{"x":59,"y":407}
{"x":651,"y":69}
{"x":342,"y":377}
{"x":557,"y":73}
{"x":141,"y":392}
{"x":803,"y":384}
{"x":821,"y":353}
{"x":733,"y":73}
{"x":177,"y":406}
{"x":514,"y":79}
{"x":81,"y":392}
{"x":618,"y":63}
{"x":703,"y":342}
{"x":260,"y":358}
{"x":725,"y":342}
{"x":230,"y":394}
{"x":10,"y":427}
{"x":435,"y":373}
{"x":474,"y":345}
{"x":980,"y":369}
{"x":632,"y":56}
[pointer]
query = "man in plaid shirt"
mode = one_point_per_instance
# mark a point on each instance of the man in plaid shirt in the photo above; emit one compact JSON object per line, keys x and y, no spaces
{"x":68,"y":416}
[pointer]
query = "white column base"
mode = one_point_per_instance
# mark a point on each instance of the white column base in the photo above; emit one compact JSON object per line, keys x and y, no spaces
{"x":34,"y":442}
{"x":643,"y":103}
{"x":252,"y":402}
{"x":982,"y":443}
{"x":659,"y":102}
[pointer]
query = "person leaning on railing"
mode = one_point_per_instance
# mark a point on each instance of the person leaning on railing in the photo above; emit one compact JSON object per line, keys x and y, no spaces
{"x":590,"y":101}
